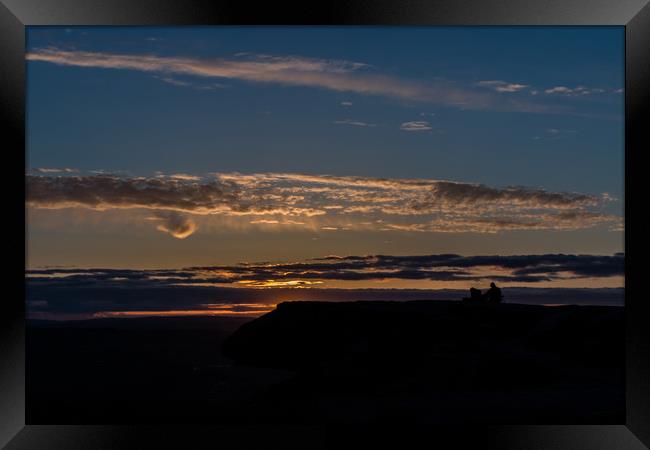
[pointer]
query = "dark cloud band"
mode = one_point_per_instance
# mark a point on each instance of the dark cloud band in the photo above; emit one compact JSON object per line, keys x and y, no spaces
{"x":445,"y":267}
{"x":417,"y":205}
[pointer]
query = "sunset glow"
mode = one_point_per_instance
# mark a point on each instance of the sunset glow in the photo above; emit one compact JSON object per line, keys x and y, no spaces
{"x":233,"y":164}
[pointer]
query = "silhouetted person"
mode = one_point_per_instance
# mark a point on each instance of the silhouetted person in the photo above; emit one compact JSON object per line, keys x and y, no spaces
{"x":493,"y":295}
{"x":474,"y":296}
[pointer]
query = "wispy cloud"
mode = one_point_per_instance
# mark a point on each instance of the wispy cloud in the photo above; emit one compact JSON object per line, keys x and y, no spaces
{"x":184,"y":176}
{"x":502,"y":86}
{"x":175,"y":224}
{"x":55,"y":170}
{"x":576,"y":91}
{"x":276,"y":222}
{"x":438,"y":267}
{"x":185,"y":83}
{"x":144,"y":294}
{"x":173,"y":81}
{"x":356,"y":123}
{"x":553,"y":134}
{"x":418,"y":125}
{"x":335,"y":75}
{"x":316,"y":201}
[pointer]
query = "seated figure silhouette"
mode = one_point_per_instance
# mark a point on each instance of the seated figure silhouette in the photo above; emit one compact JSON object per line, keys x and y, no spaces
{"x":493,"y":295}
{"x":475,"y":296}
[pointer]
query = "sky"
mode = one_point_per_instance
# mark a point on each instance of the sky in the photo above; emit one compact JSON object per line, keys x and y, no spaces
{"x":157,"y":151}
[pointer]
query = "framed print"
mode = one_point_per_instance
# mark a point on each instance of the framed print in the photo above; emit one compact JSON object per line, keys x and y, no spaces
{"x":276,"y":226}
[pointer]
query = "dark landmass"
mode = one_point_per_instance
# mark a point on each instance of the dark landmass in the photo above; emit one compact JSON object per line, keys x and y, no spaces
{"x":53,"y":299}
{"x":310,"y":363}
{"x":440,"y":362}
{"x":136,"y":370}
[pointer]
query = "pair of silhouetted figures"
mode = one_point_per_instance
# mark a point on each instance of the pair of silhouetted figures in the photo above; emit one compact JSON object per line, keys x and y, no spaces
{"x":492,"y":295}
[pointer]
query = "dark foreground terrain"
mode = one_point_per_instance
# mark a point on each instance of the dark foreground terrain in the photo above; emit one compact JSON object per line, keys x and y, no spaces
{"x":340,"y":363}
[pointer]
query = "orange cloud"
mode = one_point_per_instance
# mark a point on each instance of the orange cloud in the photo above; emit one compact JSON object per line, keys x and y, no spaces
{"x":325,"y":202}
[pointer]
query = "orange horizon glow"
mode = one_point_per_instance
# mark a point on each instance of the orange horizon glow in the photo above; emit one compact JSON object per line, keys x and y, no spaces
{"x":212,"y":311}
{"x":181,"y":313}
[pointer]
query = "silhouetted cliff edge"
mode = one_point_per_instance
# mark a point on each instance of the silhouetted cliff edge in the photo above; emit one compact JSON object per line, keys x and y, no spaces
{"x":460,"y":340}
{"x":438,"y":362}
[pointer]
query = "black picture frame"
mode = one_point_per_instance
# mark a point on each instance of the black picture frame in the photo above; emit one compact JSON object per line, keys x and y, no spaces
{"x":634,"y":15}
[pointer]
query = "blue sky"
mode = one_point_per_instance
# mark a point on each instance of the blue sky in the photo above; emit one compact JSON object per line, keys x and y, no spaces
{"x":495,"y":107}
{"x":145,"y":124}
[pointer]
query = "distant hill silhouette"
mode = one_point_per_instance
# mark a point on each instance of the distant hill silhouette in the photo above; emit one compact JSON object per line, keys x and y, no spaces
{"x":313,"y":364}
{"x":302,"y":334}
{"x":441,"y":361}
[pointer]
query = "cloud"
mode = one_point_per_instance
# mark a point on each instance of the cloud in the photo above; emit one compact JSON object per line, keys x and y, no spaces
{"x":175,"y":224}
{"x":553,"y":134}
{"x":346,"y":103}
{"x":266,"y":221}
{"x":173,"y":81}
{"x":466,"y":193}
{"x":276,"y":222}
{"x":437,"y":267}
{"x":334,"y":75}
{"x":578,"y":90}
{"x":183,"y":83}
{"x":62,"y":298}
{"x":343,"y":202}
{"x":558,"y":90}
{"x":502,"y":86}
{"x":494,"y":224}
{"x":55,"y":170}
{"x":255,"y":288}
{"x":184,"y":176}
{"x":419,"y":125}
{"x":108,"y":191}
{"x":355,"y":123}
